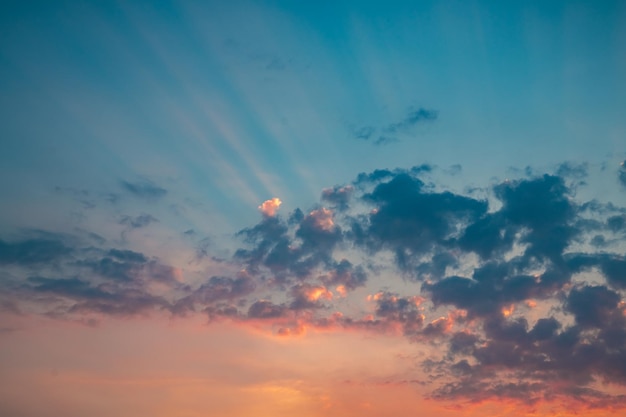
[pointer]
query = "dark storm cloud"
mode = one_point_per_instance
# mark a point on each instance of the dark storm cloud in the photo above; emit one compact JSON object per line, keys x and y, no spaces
{"x":143,"y":189}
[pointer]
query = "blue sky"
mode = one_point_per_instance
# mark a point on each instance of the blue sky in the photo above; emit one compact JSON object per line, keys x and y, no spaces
{"x":138,"y":140}
{"x":234,"y":104}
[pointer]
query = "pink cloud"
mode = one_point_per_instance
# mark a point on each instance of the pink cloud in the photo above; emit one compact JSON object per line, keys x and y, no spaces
{"x":270,"y":207}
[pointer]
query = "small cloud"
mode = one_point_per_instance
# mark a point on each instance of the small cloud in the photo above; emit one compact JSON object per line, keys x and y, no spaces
{"x":339,"y":196}
{"x":454,"y":169}
{"x":385,"y":140}
{"x":622,"y":173}
{"x":270,"y":207}
{"x":572,"y":170}
{"x":323,"y":219}
{"x":265,"y":309}
{"x":412,"y":118}
{"x":387,"y":134}
{"x":364,"y":133}
{"x":138,"y":222}
{"x":144,"y":189}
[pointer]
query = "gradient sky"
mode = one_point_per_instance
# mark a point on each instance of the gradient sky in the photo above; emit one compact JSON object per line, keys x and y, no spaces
{"x":329,"y":208}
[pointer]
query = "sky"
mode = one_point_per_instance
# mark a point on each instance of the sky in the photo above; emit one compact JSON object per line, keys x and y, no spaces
{"x":346,"y":208}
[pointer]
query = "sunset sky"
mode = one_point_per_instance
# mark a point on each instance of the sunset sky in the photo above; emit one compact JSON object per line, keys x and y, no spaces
{"x":312,"y":208}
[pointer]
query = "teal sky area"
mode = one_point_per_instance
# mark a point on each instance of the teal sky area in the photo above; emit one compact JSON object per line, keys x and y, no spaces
{"x":229,"y":104}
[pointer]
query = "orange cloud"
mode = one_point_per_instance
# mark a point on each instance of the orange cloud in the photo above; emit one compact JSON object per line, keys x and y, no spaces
{"x":341,"y":290}
{"x":316,"y":293}
{"x":270,"y":207}
{"x":508,"y":310}
{"x":323,"y":218}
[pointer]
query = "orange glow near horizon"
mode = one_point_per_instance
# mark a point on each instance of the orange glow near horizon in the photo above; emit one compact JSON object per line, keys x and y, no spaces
{"x":187,"y":368}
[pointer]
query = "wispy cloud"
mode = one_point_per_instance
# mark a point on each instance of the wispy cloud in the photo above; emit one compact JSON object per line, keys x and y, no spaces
{"x":392,"y":132}
{"x":143,"y":189}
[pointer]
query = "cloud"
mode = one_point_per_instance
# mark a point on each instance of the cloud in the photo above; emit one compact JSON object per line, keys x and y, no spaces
{"x":35,"y":251}
{"x":345,"y":275}
{"x":314,"y":238}
{"x":338,"y":196}
{"x":364,"y":133}
{"x":143,"y":189}
{"x":515,"y":301}
{"x":573,"y":170}
{"x":593,"y":306}
{"x":265,"y":309}
{"x":76,"y":296}
{"x":307,"y":296}
{"x":77,"y":278}
{"x":411,"y":119}
{"x":217,"y":290}
{"x":269,"y":208}
{"x":116,"y":264}
{"x":404,"y":311}
{"x":391,"y":132}
{"x":138,"y":222}
{"x":409,"y":219}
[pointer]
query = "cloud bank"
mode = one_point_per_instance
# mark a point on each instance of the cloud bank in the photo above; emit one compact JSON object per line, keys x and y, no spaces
{"x":520,"y":293}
